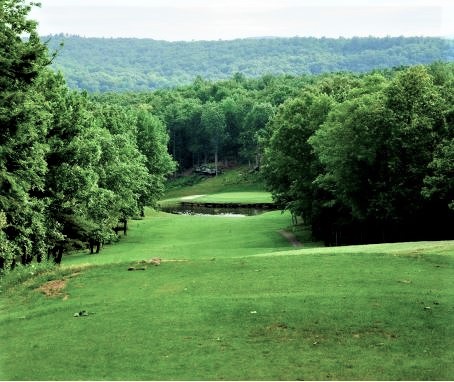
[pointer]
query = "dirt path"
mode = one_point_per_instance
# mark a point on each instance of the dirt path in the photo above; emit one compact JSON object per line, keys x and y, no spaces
{"x":291,"y":238}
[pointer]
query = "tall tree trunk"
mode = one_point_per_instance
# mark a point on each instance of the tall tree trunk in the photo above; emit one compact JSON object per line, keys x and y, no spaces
{"x":216,"y":161}
{"x":58,"y":254}
{"x":125,"y":226}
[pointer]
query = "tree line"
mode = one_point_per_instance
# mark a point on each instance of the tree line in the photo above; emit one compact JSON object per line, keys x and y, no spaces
{"x":72,"y":171}
{"x":128,"y":64}
{"x":360,"y":158}
{"x":368,"y":159}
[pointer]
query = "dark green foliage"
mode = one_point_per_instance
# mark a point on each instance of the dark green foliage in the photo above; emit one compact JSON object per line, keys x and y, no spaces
{"x":227,"y":117}
{"x":374,"y":163}
{"x":360,"y":157}
{"x":100,"y":65}
{"x":23,"y":121}
{"x":70,"y":169}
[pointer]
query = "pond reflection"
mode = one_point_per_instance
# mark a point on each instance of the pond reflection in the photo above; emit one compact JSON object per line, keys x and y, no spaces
{"x":224,"y":211}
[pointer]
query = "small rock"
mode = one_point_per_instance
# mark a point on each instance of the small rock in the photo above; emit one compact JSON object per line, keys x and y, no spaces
{"x":82,"y":313}
{"x":155,"y":261}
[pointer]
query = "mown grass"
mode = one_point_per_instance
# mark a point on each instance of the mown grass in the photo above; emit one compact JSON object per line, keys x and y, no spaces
{"x":179,"y":237}
{"x":236,"y":197}
{"x":234,"y":180}
{"x":233,"y":301}
{"x":239,"y":198}
{"x":318,"y":316}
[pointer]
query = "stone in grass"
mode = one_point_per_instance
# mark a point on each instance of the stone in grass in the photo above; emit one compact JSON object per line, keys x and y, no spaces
{"x":82,"y":313}
{"x":136,"y":269}
{"x":155,"y":261}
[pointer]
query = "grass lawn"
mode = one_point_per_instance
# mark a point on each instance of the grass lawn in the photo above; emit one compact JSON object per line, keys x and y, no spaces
{"x":236,"y":197}
{"x":184,"y":237}
{"x":222,"y":198}
{"x":316,"y":316}
{"x":233,"y":301}
{"x":234,"y":180}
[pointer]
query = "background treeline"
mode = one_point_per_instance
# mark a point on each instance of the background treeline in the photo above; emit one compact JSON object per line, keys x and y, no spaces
{"x":359,"y":157}
{"x":71,"y":170}
{"x":107,"y":64}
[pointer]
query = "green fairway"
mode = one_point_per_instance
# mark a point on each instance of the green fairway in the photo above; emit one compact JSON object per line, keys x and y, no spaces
{"x":234,"y":180}
{"x":232,"y":300}
{"x":236,"y":197}
{"x":179,"y":237}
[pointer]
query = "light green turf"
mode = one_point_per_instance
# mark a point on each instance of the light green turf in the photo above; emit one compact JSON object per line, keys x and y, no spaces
{"x":236,"y":197}
{"x":234,"y":180}
{"x":240,"y":304}
{"x":222,"y":198}
{"x":193,"y":237}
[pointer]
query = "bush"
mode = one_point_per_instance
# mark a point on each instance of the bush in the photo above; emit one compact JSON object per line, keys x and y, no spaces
{"x":22,"y":273}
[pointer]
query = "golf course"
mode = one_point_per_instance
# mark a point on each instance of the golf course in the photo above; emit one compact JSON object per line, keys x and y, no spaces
{"x":198,"y":297}
{"x":273,"y":203}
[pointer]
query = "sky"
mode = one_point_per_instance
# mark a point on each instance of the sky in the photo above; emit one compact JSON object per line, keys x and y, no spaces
{"x":186,"y":20}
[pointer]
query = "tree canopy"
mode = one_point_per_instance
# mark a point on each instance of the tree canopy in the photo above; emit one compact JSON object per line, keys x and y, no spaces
{"x":128,"y":64}
{"x":71,"y":169}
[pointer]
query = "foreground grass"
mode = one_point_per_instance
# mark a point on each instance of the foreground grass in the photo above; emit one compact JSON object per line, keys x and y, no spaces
{"x":313,"y":316}
{"x":238,"y":305}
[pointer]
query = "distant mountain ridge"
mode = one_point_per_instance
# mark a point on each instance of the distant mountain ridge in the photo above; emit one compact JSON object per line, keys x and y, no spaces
{"x":133,"y":64}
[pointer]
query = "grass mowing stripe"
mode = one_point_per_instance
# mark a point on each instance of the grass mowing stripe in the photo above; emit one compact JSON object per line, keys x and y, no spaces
{"x":288,"y":317}
{"x":190,"y":237}
{"x":236,"y":197}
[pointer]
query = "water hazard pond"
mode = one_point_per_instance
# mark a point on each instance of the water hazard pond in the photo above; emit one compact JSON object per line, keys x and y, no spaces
{"x":227,"y":209}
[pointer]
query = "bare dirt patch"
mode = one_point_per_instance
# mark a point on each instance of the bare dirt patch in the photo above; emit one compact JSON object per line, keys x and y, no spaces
{"x":53,"y":288}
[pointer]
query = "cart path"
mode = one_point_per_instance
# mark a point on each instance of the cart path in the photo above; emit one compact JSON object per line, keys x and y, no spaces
{"x":291,"y":238}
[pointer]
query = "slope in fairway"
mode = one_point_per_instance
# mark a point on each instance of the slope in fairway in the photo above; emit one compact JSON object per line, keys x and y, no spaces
{"x":235,"y":309}
{"x":179,"y":237}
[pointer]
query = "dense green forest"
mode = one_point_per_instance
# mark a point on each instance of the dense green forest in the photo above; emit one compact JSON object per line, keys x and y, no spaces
{"x":71,"y":170}
{"x":107,"y":64}
{"x":359,"y":157}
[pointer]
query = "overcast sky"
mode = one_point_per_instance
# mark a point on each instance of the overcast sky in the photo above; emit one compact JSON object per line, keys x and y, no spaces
{"x":174,"y":20}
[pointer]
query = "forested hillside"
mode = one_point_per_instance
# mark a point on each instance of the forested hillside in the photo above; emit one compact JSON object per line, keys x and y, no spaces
{"x":360,"y":157}
{"x":99,"y":65}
